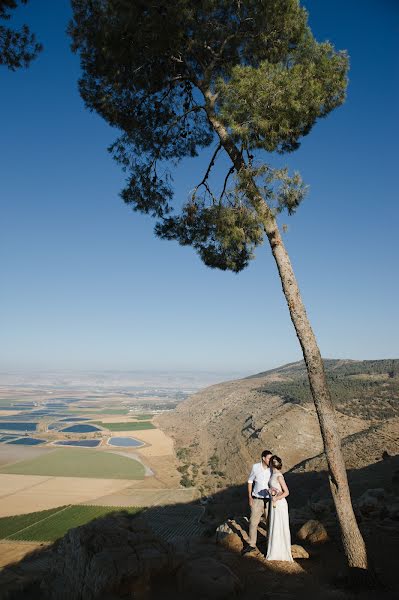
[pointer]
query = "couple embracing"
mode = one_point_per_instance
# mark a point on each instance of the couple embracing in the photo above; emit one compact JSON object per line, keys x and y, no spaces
{"x":267,"y":492}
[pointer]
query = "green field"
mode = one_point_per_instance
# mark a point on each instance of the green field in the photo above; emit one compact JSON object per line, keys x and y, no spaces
{"x":113,"y":411}
{"x":142,"y":417}
{"x":49,"y":525}
{"x":125,"y":426}
{"x":77,"y":462}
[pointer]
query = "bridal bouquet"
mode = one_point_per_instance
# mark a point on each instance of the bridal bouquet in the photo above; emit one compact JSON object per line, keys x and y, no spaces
{"x":273,"y":493}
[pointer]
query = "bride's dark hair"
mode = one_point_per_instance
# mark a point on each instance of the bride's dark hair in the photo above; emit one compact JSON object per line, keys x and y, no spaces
{"x":276,"y":462}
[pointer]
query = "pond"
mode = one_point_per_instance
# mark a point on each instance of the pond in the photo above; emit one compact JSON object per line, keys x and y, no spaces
{"x":71,"y":419}
{"x":80,"y":429}
{"x":63,"y":422}
{"x":27,"y":441}
{"x":124,"y":441}
{"x":5,"y":438}
{"x":14,"y":426}
{"x":86,"y":443}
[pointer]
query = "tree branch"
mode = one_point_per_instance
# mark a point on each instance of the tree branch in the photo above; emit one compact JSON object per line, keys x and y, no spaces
{"x":229,"y":172}
{"x":204,"y":180}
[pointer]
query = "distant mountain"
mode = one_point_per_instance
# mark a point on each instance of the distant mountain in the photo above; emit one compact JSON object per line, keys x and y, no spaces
{"x":112,"y":380}
{"x":221,"y":430}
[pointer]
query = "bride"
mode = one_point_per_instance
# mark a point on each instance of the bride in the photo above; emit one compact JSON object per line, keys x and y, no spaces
{"x":279,"y":544}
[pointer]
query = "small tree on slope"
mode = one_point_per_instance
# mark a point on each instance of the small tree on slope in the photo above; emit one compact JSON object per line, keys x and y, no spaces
{"x":176,"y":76}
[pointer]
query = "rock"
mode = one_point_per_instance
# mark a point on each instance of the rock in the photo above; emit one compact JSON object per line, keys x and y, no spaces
{"x":393,"y":511}
{"x":232,"y":542}
{"x":114,"y":555}
{"x":370,"y":501}
{"x":313,"y":532}
{"x":395,"y":482}
{"x":298,"y":551}
{"x":206,"y":578}
{"x":322,"y":507}
{"x":222,"y":531}
{"x":377,"y":493}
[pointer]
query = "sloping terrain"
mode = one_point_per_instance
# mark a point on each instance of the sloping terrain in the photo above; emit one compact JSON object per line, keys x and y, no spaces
{"x":220,"y":431}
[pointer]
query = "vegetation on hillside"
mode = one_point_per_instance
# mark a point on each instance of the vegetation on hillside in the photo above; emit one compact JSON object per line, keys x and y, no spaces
{"x":365,"y":389}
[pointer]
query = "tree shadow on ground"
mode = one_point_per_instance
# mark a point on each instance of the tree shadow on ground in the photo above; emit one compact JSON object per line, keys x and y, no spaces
{"x":190,"y":531}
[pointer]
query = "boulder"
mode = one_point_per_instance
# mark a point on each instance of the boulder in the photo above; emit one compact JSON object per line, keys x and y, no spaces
{"x":395,"y":482}
{"x":369,"y":502}
{"x":232,"y":542}
{"x":378,"y":493}
{"x":298,"y":551}
{"x":206,"y":578}
{"x":322,"y":507}
{"x":393,"y":511}
{"x":313,"y":532}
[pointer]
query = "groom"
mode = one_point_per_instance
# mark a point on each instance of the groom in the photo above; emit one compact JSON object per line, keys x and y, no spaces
{"x":258,"y":497}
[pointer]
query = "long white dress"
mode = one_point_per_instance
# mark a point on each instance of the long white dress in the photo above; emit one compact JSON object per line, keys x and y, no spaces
{"x":279,"y":544}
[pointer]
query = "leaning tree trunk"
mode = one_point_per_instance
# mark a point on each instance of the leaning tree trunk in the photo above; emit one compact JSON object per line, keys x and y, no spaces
{"x":354,"y":546}
{"x":353,"y":543}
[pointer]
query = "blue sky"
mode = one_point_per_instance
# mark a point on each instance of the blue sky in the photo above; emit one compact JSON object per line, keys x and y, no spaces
{"x":86,"y":285}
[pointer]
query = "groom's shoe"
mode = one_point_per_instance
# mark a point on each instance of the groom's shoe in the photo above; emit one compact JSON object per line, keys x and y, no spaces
{"x":247,"y":550}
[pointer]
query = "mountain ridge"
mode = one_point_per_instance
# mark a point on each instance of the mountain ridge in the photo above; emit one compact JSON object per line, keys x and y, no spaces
{"x":221,"y":430}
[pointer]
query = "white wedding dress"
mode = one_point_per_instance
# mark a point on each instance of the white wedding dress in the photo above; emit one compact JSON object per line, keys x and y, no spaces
{"x":279,"y":544}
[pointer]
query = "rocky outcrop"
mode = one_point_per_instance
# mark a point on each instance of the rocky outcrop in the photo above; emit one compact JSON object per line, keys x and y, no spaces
{"x":108,"y":557}
{"x":206,"y":577}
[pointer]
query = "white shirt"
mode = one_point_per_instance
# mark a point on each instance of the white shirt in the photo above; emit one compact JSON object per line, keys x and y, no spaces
{"x":260,"y":475}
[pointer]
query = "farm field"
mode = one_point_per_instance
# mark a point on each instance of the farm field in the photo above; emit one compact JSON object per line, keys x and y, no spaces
{"x":159,"y":444}
{"x":11,"y":454}
{"x":22,"y":494}
{"x":127,"y":426}
{"x":76,"y":462}
{"x":49,"y":525}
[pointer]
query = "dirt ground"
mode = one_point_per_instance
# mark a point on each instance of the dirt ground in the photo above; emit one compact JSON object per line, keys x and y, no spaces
{"x":21,"y":494}
{"x":14,"y":551}
{"x":159,"y":444}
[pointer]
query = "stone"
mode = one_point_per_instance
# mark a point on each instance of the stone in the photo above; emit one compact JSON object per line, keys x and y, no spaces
{"x":298,"y":551}
{"x":369,"y":502}
{"x":313,"y":532}
{"x":206,"y":578}
{"x":377,"y":493}
{"x":393,"y":511}
{"x":232,"y":542}
{"x":395,"y":482}
{"x":222,"y":531}
{"x":322,"y":507}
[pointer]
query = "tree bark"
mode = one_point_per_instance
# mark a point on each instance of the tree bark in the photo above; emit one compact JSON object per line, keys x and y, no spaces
{"x":353,"y":543}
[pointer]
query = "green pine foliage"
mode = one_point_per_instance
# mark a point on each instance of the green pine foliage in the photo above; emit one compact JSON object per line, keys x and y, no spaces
{"x":364,"y":389}
{"x":17,"y":48}
{"x":169,"y":75}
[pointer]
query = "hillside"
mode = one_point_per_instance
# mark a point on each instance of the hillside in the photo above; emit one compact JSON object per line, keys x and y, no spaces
{"x":221,"y":430}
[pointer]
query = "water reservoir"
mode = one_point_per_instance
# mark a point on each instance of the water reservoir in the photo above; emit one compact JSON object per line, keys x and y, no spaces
{"x":80,"y":429}
{"x":27,"y":441}
{"x":14,"y":426}
{"x":85,"y":443}
{"x":125,"y":442}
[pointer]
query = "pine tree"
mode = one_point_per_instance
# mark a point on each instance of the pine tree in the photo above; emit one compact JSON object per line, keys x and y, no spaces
{"x":174,"y":77}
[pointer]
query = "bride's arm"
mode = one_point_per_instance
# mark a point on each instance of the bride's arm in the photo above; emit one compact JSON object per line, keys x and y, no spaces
{"x":284,"y":487}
